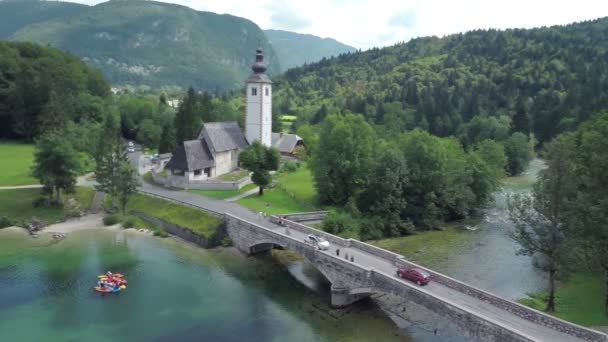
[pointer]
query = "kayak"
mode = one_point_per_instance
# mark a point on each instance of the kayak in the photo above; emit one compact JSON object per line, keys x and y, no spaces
{"x":102,"y":289}
{"x":123,"y":287}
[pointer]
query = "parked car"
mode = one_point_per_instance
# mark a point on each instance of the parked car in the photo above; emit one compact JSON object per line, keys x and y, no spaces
{"x":130,"y":149}
{"x":414,"y":274}
{"x":317,"y":241}
{"x":130,"y":144}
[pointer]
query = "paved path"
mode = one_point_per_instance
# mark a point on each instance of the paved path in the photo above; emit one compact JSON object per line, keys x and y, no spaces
{"x":243,"y":195}
{"x":32,"y":186}
{"x":478,"y":307}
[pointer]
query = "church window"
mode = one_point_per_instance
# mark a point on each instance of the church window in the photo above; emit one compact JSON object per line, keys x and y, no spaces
{"x":267,"y":91}
{"x":254,"y":91}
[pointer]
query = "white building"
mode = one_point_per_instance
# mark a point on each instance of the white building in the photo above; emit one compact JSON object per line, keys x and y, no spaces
{"x":258,"y":112}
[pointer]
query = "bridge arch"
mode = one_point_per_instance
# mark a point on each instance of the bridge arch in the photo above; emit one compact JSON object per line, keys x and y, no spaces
{"x":343,"y":293}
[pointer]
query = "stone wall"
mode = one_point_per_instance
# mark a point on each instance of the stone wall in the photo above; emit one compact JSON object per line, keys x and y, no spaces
{"x":305,"y":217}
{"x":472,"y":325}
{"x":180,"y":182}
{"x":515,"y":308}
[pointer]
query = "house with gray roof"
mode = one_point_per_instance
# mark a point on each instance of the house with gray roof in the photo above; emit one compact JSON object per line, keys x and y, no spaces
{"x":286,"y":143}
{"x":215,"y":152}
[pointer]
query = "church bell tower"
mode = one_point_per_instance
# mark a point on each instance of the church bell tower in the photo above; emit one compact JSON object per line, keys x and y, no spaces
{"x":258,"y":109}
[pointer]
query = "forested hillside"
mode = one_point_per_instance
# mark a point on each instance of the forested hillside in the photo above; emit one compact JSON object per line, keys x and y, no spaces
{"x":296,"y":49}
{"x":157,"y":44}
{"x":42,"y":88}
{"x":16,"y":14}
{"x":544,"y":81}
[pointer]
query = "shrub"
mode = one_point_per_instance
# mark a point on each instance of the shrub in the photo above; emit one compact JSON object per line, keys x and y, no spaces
{"x":161,"y":233}
{"x":226,"y":242}
{"x":111,"y":220}
{"x":341,"y":223}
{"x":290,"y":167}
{"x":129,"y":222}
{"x":5,"y":221}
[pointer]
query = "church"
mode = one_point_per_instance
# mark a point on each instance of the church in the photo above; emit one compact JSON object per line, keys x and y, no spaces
{"x":216,"y":150}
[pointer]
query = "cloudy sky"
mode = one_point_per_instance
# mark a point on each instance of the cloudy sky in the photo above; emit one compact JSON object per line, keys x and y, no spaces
{"x":368,"y":23}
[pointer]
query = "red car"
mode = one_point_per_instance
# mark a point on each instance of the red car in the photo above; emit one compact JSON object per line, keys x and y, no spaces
{"x":416,"y":275}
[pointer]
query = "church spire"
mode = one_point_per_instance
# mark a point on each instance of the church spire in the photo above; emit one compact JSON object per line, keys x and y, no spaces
{"x":259,"y":67}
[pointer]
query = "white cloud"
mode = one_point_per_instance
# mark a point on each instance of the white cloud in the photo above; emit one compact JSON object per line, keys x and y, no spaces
{"x":368,"y":23}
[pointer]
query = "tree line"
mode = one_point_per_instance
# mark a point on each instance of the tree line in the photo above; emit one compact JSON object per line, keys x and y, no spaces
{"x":544,"y":81}
{"x":395,"y":185}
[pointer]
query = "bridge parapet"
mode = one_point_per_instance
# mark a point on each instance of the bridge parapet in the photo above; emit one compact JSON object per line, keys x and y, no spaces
{"x":510,"y":306}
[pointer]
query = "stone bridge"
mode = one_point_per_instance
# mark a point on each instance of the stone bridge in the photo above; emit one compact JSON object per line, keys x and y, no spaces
{"x":480,"y":315}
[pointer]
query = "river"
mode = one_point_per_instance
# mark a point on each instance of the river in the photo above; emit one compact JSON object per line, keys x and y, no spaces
{"x":178,"y":292}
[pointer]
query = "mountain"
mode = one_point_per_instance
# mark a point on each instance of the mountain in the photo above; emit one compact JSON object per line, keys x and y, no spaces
{"x":16,"y":14}
{"x":544,"y":80}
{"x":295,"y":49}
{"x":157,"y":44}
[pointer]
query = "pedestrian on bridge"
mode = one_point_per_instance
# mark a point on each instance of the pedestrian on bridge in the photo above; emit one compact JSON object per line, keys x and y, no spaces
{"x":338,"y":251}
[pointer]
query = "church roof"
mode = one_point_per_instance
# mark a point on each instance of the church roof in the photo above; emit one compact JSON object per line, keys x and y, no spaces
{"x":285,"y":142}
{"x":191,"y":155}
{"x":223,"y":136}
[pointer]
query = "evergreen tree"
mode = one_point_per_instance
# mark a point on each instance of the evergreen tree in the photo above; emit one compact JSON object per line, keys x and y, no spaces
{"x":109,"y":156}
{"x":167,"y":139}
{"x":126,"y":184}
{"x":187,"y":119}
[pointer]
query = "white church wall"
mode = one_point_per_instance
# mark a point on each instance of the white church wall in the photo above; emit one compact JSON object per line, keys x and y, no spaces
{"x":223,"y":163}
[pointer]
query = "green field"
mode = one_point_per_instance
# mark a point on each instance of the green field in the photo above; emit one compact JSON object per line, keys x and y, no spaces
{"x":223,"y":194}
{"x":197,"y":221}
{"x":234,"y":176}
{"x":579,"y":300}
{"x":427,"y":248}
{"x":18,"y":205}
{"x":300,"y":185}
{"x":16,"y":160}
{"x":295,"y":192}
{"x":280,"y":203}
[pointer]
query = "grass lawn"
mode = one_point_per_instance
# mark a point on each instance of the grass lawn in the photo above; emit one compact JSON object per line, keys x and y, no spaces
{"x":427,"y":248}
{"x":300,"y":184}
{"x":16,"y":160}
{"x":280,"y":203}
{"x":223,"y":194}
{"x":195,"y":220}
{"x":18,"y":204}
{"x":234,"y":176}
{"x":288,"y":118}
{"x":294,"y":193}
{"x":579,"y":300}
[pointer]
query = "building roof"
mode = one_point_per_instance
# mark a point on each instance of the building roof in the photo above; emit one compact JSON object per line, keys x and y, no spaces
{"x":191,"y":155}
{"x":285,"y":143}
{"x":223,"y":136}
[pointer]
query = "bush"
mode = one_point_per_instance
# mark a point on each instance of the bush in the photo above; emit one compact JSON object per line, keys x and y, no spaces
{"x":41,"y":202}
{"x":129,"y":222}
{"x":341,"y":223}
{"x":161,"y":233}
{"x":290,"y":167}
{"x":226,"y":242}
{"x":5,"y":221}
{"x":111,"y":220}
